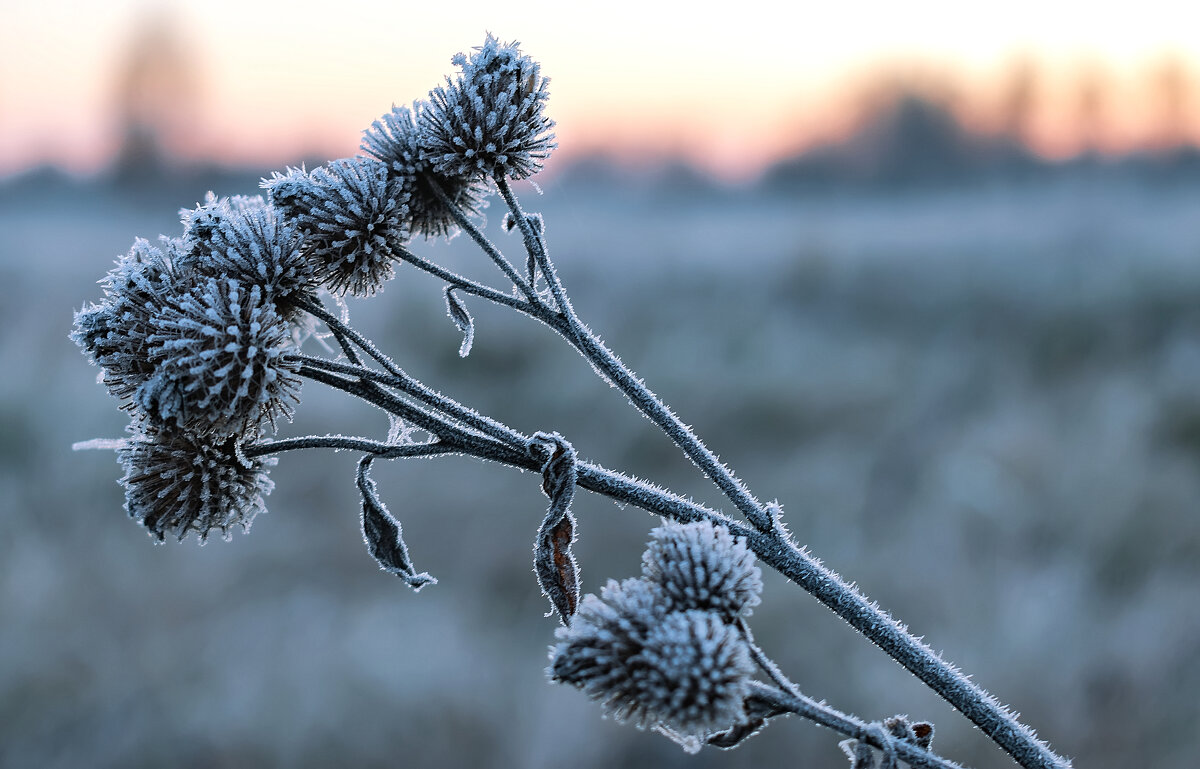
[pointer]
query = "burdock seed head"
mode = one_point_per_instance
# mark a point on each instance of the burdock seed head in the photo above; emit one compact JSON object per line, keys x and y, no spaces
{"x":221,"y":362}
{"x":489,"y":121}
{"x":702,"y":566}
{"x":395,"y":140}
{"x":176,"y":483}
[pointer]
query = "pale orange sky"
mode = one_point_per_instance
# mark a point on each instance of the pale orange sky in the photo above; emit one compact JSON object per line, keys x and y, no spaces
{"x":731,"y":88}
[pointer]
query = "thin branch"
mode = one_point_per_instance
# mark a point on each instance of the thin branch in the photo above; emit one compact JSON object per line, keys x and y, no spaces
{"x":466,"y":284}
{"x":329,"y":319}
{"x":865,"y":616}
{"x":349,"y":443}
{"x":767,"y":664}
{"x":468,"y":442}
{"x":399,"y":380}
{"x":846,"y":724}
{"x":482,"y":241}
{"x":536,"y":246}
{"x":582,"y":338}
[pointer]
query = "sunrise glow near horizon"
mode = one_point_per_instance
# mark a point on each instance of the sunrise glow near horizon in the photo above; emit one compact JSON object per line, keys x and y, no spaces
{"x":732,"y":91}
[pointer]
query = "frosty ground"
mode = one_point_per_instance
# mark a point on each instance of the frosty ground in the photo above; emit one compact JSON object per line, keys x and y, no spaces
{"x":982,"y":404}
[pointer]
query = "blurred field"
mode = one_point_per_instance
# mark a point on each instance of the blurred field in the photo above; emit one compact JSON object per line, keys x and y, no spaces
{"x":983,"y":405}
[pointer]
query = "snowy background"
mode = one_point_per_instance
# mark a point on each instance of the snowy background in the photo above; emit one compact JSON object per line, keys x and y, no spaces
{"x":981,"y":402}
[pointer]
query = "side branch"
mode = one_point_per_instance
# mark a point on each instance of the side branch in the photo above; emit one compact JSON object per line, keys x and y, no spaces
{"x":488,"y":247}
{"x":347,"y":443}
{"x":806,"y":707}
{"x":774,"y":549}
{"x":410,"y":386}
{"x":867,"y":618}
{"x":581,"y":337}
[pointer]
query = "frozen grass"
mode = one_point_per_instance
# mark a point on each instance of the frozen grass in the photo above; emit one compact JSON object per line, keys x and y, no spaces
{"x":988,"y":405}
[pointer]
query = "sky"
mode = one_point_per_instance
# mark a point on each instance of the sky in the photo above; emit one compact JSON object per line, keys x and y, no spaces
{"x":730,"y":88}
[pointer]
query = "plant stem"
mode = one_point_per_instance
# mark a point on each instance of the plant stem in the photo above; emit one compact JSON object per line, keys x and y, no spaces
{"x":771,"y":547}
{"x":347,"y":443}
{"x":482,"y":241}
{"x":644,"y":400}
{"x":466,"y":284}
{"x":415,"y":388}
{"x":848,"y":725}
{"x":914,"y":655}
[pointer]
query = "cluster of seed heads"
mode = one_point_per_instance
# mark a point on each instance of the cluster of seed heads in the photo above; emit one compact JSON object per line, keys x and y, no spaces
{"x":665,"y":650}
{"x":197,"y":336}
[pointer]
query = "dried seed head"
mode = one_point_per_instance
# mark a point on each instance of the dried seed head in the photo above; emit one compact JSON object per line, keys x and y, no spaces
{"x":394,"y":139}
{"x":288,"y":192}
{"x":695,"y":671}
{"x":353,"y":218}
{"x":203,"y":221}
{"x":489,"y":121}
{"x":596,"y":651}
{"x":686,"y":673}
{"x":220,"y":353}
{"x":702,"y":566}
{"x":243,"y":239}
{"x":176,"y":483}
{"x":115,"y":333}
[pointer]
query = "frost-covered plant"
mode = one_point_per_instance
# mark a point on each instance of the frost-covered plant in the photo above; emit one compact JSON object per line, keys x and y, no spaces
{"x":202,"y":338}
{"x":177,"y":483}
{"x":666,"y":651}
{"x":488,"y":121}
{"x":702,"y":566}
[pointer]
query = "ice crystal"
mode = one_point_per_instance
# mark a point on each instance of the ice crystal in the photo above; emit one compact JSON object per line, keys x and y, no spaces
{"x":702,"y":566}
{"x":221,"y":366}
{"x":176,"y":483}
{"x":394,"y":139}
{"x":353,"y":218}
{"x":489,"y":121}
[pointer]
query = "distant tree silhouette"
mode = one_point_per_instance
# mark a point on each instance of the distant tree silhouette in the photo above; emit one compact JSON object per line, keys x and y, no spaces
{"x":1018,"y":100}
{"x":1172,"y":84}
{"x":155,"y":100}
{"x":1090,"y":102}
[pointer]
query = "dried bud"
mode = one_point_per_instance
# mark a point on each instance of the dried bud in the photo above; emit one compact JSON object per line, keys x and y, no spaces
{"x":489,"y":121}
{"x":176,"y":483}
{"x":702,"y":566}
{"x":394,"y":139}
{"x":685,"y":673}
{"x":352,"y":218}
{"x":254,"y":247}
{"x":115,"y":333}
{"x":695,"y":674}
{"x":596,"y":651}
{"x":222,"y":369}
{"x":201,"y":223}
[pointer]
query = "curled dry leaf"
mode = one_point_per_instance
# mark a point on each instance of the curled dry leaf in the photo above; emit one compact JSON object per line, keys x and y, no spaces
{"x":553,"y":561}
{"x":462,"y":319}
{"x":382,"y":534}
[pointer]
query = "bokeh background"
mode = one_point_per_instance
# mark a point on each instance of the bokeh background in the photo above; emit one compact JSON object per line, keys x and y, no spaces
{"x":926,"y":273}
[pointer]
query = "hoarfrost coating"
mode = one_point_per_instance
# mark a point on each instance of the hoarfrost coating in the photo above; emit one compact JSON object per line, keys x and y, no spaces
{"x":201,"y":339}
